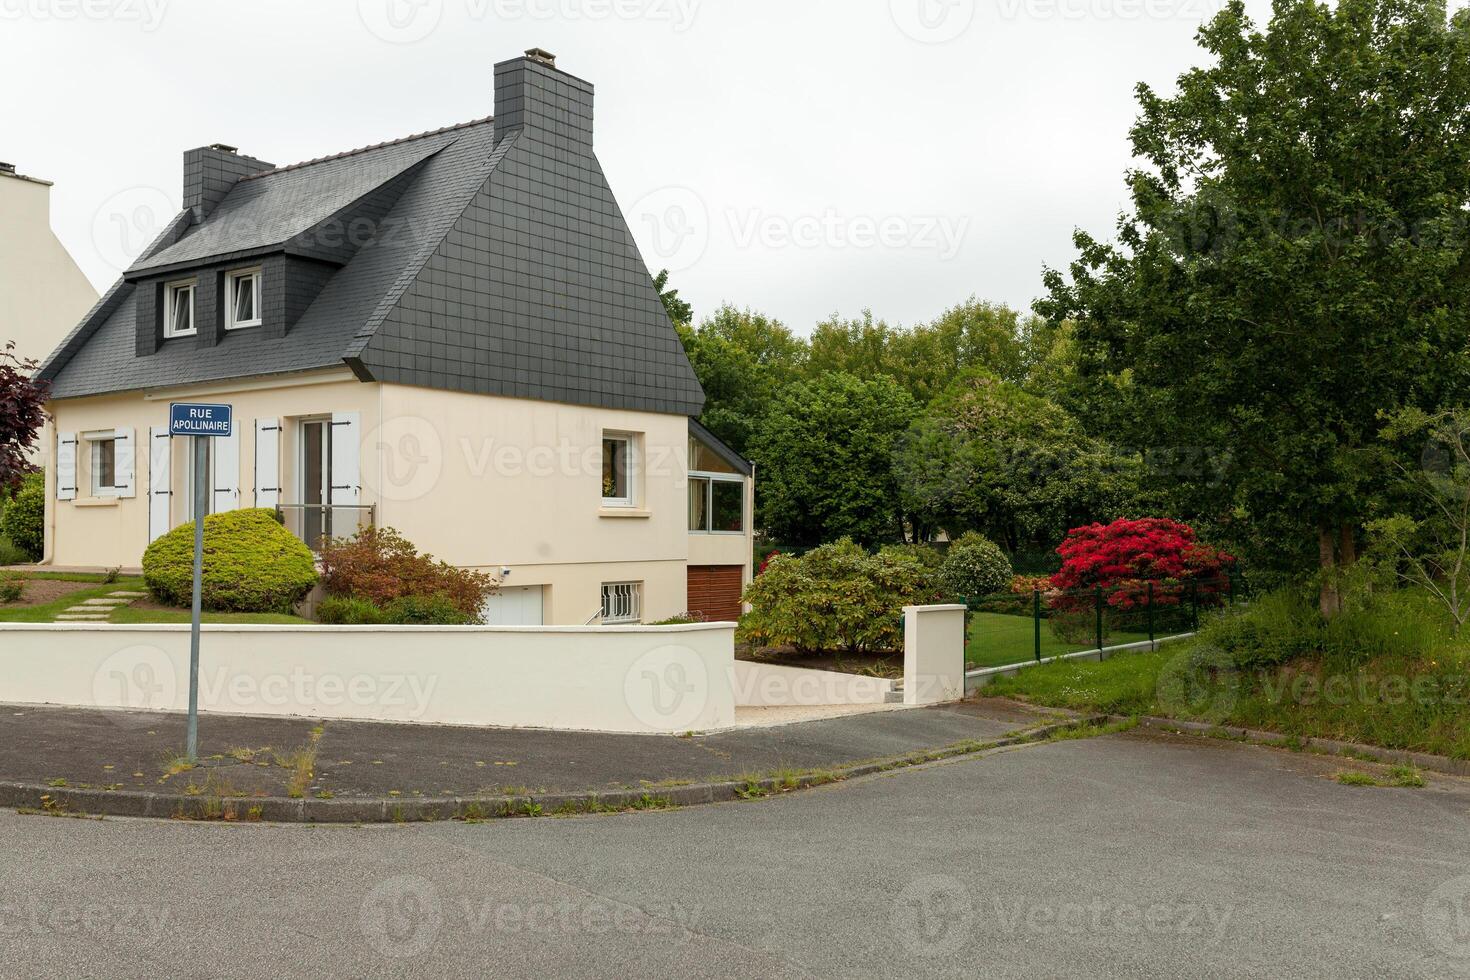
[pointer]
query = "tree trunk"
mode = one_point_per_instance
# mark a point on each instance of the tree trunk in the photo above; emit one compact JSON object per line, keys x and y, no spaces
{"x":1347,"y":547}
{"x":1327,"y":541}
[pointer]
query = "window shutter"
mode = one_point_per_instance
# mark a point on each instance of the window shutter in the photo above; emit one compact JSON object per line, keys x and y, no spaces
{"x":66,"y":466}
{"x":267,"y":462}
{"x":125,"y":462}
{"x":160,"y":481}
{"x":227,"y":473}
{"x":346,"y":459}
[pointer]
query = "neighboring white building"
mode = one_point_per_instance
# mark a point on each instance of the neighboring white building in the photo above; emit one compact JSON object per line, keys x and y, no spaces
{"x":451,"y":334}
{"x":42,"y":291}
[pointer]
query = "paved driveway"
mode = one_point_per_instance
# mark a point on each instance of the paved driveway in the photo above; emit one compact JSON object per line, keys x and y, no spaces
{"x":1132,"y":855}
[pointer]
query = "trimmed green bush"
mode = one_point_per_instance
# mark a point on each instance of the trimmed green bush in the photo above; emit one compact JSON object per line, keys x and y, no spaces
{"x":341,"y":611}
{"x":23,"y":520}
{"x":251,"y":564}
{"x":834,"y":598}
{"x":975,"y":566}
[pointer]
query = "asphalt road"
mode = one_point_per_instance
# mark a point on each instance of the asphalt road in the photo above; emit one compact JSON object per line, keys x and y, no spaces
{"x":1130,"y":855}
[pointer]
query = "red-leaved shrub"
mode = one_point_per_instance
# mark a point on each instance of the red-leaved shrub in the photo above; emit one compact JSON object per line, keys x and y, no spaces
{"x":379,"y":565}
{"x":1126,"y":555}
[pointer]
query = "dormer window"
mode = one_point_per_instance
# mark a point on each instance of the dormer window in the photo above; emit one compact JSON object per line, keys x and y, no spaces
{"x":178,"y":309}
{"x":242,"y":299}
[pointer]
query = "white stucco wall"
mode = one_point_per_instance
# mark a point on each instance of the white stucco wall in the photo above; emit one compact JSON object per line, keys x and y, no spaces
{"x":43,"y":293}
{"x":481,"y":482}
{"x":666,"y":680}
{"x":760,"y":685}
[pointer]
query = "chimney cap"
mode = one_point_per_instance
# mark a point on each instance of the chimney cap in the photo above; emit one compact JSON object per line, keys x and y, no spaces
{"x":224,"y":147}
{"x":542,"y":55}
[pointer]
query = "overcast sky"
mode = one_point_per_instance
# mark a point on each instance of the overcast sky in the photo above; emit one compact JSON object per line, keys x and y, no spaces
{"x":802,"y":157}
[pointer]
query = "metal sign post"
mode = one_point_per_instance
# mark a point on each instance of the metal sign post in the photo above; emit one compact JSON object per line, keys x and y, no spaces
{"x":202,"y":423}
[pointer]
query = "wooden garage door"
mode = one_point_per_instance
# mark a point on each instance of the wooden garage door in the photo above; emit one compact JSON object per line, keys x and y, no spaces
{"x":714,"y":591}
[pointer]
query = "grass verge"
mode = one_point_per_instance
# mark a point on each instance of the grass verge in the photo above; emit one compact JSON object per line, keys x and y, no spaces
{"x":1414,"y":706}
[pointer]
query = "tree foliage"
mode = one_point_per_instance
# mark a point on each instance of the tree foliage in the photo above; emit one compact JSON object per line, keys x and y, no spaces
{"x":679,"y":311}
{"x":744,"y":360}
{"x":1295,"y":261}
{"x":825,"y":458}
{"x":988,"y":456}
{"x":22,"y":413}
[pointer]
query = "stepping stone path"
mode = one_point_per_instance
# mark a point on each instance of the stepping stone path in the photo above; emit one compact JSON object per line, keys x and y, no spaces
{"x":98,"y":610}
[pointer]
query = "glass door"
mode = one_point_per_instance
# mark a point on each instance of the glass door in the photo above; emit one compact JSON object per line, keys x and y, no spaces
{"x":316,"y":481}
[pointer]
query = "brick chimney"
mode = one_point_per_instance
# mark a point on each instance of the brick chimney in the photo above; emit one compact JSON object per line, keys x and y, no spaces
{"x":532,"y":94}
{"x":210,"y":172}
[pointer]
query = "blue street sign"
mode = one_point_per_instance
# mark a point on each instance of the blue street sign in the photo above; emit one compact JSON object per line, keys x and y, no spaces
{"x":187,"y":419}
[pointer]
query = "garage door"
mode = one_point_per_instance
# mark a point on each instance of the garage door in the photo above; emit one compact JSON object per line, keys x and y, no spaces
{"x":714,"y":591}
{"x":514,"y":607}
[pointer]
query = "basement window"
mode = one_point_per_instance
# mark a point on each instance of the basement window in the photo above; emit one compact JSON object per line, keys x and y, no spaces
{"x":242,"y":299}
{"x":178,"y":309}
{"x":622,"y":602}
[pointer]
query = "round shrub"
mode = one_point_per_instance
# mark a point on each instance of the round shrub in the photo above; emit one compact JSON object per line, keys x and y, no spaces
{"x":251,"y":564}
{"x":23,"y":520}
{"x":975,"y":566}
{"x":834,"y":598}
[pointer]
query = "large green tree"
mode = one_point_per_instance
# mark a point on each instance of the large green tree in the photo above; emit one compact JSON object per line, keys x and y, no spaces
{"x":926,"y":357}
{"x":825,"y":460}
{"x":1294,"y":262}
{"x":744,"y":360}
{"x":988,"y":456}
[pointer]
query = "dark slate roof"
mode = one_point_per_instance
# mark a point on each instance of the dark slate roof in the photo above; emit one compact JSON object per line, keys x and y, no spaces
{"x":510,"y":271}
{"x":274,"y":207}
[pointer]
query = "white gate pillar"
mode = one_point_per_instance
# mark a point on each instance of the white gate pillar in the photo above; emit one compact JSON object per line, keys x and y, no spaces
{"x":933,"y":654}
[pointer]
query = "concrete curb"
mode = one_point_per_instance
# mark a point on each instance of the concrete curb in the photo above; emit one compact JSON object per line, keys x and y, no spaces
{"x":68,"y":801}
{"x":1328,"y":746}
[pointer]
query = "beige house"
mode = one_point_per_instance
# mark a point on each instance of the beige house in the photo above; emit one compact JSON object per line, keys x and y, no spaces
{"x":42,"y":291}
{"x":451,"y":334}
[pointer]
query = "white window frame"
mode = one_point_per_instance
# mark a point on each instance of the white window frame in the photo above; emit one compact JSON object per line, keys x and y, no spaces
{"x":94,"y":442}
{"x":232,"y":282}
{"x":169,"y":329}
{"x":622,"y":603}
{"x":709,"y":502}
{"x":631,"y":440}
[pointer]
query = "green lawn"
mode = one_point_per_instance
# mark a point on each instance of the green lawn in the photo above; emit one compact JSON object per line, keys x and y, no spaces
{"x":47,"y":613}
{"x":126,"y":615}
{"x":1000,"y":639}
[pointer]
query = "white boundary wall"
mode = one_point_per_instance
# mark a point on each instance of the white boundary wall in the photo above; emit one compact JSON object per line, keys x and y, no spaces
{"x":933,"y":654}
{"x":760,"y":685}
{"x":643,"y":679}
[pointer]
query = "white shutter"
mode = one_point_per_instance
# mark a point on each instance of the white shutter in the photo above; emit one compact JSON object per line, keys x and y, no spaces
{"x":125,"y":462}
{"x":226,"y":473}
{"x":346,"y":459}
{"x":160,"y":481}
{"x":66,"y":466}
{"x":267,"y":462}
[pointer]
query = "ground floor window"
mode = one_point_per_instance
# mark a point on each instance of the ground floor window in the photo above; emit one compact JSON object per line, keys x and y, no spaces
{"x":104,"y":465}
{"x":622,"y":602}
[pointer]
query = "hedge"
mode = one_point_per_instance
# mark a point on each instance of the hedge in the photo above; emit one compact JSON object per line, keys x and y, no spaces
{"x":23,"y":518}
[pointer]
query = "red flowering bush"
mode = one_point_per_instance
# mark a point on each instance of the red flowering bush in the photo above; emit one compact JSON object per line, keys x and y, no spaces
{"x":1123,"y":557}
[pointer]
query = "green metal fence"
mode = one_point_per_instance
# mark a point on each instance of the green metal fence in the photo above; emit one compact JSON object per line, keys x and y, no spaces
{"x":1014,"y":627}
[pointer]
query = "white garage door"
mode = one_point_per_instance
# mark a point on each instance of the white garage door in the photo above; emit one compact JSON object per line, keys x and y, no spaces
{"x":514,"y":607}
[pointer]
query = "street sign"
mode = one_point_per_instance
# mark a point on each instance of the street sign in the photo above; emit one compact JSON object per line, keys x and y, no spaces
{"x":188,"y":419}
{"x":203,"y":422}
